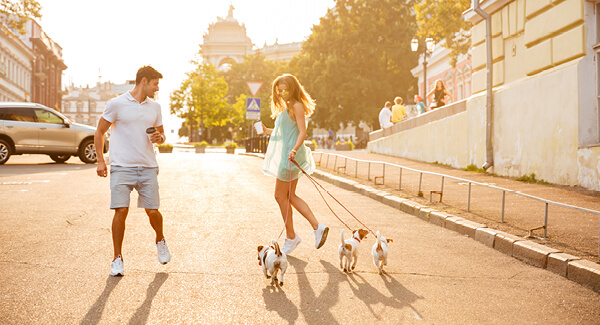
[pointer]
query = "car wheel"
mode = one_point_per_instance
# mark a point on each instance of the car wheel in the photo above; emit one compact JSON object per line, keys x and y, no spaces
{"x":60,"y":158}
{"x":4,"y":151}
{"x":87,"y":152}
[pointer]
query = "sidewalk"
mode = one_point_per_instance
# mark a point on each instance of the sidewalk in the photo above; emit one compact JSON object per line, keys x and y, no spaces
{"x":570,"y":231}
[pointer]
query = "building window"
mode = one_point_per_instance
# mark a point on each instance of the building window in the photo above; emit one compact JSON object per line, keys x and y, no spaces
{"x":93,"y":106}
{"x":79,"y":106}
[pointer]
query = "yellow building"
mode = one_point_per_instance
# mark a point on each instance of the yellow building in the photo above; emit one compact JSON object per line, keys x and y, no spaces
{"x":546,"y":96}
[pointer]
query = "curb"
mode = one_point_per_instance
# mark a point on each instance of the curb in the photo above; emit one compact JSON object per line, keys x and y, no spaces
{"x":584,"y":272}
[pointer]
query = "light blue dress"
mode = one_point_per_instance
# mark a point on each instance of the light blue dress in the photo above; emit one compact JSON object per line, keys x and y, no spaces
{"x":282,"y":141}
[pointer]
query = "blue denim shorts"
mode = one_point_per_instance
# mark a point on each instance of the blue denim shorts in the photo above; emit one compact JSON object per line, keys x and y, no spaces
{"x":124,"y":179}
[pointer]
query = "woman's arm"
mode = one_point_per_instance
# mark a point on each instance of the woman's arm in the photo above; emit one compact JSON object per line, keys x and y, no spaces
{"x":430,"y":93}
{"x":301,"y":122}
{"x":266,"y":131}
{"x":448,"y":94}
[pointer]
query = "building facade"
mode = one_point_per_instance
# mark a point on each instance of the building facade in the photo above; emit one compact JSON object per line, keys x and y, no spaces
{"x":86,"y":105}
{"x":226,"y":43}
{"x":545,"y":116}
{"x":31,"y":66}
{"x":16,"y":66}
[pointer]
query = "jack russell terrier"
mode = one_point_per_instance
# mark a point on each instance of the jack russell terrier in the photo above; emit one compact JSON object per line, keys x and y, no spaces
{"x":272,"y":260}
{"x":349,"y":249}
{"x":380,"y":252}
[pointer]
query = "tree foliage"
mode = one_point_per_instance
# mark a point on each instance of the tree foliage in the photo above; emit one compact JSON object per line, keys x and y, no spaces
{"x":442,"y":20}
{"x":201,"y":99}
{"x":357,"y":58}
{"x":15,"y":13}
{"x":254,"y":68}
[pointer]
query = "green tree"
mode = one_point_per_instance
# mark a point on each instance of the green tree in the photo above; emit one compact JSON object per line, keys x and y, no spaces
{"x":357,"y":58}
{"x":15,"y":13}
{"x":442,"y":20}
{"x":201,"y":100}
{"x":254,"y":68}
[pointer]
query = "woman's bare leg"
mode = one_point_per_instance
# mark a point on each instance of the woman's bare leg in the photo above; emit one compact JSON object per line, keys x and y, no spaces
{"x":281,"y":196}
{"x":303,"y":207}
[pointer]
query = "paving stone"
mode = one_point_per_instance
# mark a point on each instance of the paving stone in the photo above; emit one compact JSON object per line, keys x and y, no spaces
{"x":533,"y":253}
{"x":559,"y":262}
{"x":467,"y":227}
{"x":504,"y":242}
{"x":586,"y":273}
{"x":486,"y":236}
{"x":452,"y":223}
{"x":438,"y":218}
{"x":424,"y":213}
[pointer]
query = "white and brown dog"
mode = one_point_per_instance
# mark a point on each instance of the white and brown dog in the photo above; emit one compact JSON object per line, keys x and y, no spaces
{"x":349,"y":249}
{"x":380,"y":252}
{"x":272,"y":260}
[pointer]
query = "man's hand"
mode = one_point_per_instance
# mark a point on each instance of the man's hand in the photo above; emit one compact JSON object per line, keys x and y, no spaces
{"x":156,"y":137}
{"x":101,"y":170}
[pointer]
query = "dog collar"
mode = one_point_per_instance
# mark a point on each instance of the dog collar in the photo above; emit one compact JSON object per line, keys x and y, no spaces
{"x":357,"y":239}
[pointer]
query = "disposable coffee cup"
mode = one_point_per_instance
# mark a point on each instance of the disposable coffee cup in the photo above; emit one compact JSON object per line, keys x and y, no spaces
{"x":259,"y":128}
{"x":149,"y":132}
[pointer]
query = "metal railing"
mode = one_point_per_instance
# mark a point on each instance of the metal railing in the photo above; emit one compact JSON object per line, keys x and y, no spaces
{"x":257,"y":144}
{"x":381,"y":177}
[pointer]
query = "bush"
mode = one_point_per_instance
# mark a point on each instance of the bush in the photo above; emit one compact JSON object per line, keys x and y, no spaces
{"x":165,"y":145}
{"x":230,"y":144}
{"x":201,"y":144}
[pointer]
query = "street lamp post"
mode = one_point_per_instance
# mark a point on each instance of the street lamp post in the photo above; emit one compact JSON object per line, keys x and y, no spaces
{"x":414,"y":46}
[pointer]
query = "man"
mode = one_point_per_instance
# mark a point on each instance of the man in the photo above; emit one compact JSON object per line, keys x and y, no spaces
{"x":132,"y":159}
{"x":398,"y":110}
{"x":385,"y":116}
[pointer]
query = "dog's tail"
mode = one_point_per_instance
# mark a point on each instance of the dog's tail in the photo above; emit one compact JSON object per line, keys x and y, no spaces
{"x":342,"y":238}
{"x":276,"y":246}
{"x":378,"y":241}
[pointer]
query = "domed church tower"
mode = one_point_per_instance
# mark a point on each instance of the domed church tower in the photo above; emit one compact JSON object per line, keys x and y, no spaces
{"x":226,"y":42}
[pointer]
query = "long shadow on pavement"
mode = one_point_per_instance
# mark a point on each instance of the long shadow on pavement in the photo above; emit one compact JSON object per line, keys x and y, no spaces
{"x":275,"y":299}
{"x":363,"y":290}
{"x":316,"y":309}
{"x":94,"y":315}
{"x":141,"y":314}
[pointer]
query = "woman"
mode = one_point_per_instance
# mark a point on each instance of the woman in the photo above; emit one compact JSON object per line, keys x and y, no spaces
{"x":440,"y":93}
{"x":290,"y":105}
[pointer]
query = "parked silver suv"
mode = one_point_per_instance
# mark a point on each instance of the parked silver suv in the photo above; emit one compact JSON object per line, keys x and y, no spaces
{"x":29,"y":128}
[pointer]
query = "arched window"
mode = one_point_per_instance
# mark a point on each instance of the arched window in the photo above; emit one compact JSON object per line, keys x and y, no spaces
{"x":79,"y":106}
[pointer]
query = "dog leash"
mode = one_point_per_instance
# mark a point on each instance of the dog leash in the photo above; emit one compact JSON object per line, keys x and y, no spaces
{"x":317,"y":185}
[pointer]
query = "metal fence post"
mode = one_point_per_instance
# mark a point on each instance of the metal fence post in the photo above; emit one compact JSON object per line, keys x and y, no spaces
{"x":369,"y":174}
{"x":503,"y":200}
{"x":469,"y":199}
{"x":546,"y":221}
{"x":356,"y":170}
{"x":383,"y":177}
{"x":400,"y":181}
{"x":420,"y":181}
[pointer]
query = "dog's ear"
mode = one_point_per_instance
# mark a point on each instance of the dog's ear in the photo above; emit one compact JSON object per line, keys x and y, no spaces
{"x":362,"y":233}
{"x":260,"y":248}
{"x":389,"y":240}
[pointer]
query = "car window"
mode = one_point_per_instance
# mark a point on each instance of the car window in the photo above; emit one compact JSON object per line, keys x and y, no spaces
{"x":44,"y":116}
{"x":21,"y":114}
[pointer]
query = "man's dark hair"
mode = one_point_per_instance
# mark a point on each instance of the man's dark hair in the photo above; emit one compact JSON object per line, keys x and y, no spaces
{"x":147,"y":72}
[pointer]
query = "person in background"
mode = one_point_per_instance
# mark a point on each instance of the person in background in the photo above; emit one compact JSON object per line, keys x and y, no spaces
{"x":398,"y":110}
{"x":385,"y":116}
{"x":419,"y":105}
{"x":440,"y":95}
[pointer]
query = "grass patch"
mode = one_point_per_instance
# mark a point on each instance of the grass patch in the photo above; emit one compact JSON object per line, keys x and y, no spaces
{"x":531,"y":179}
{"x":438,"y":163}
{"x":474,"y":168}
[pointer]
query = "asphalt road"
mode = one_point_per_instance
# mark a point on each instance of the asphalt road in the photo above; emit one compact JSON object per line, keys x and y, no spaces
{"x":56,"y":250}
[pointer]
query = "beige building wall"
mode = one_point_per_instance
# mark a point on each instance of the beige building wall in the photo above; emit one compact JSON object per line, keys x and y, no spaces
{"x":544,"y":90}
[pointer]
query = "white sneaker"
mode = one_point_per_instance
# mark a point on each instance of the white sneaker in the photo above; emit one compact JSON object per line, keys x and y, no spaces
{"x":116,"y":267}
{"x":291,"y":244}
{"x":163,"y":252}
{"x":321,"y":235}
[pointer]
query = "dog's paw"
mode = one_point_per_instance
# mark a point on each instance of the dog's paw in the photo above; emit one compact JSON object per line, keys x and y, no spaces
{"x":281,"y":284}
{"x":268,"y":276}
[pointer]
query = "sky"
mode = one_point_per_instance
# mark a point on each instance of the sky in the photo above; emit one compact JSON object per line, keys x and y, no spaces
{"x":114,"y":38}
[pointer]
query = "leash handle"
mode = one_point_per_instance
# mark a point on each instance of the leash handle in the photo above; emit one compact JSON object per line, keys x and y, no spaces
{"x":315,"y":183}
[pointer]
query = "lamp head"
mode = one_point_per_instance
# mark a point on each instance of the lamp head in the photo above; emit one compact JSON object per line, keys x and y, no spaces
{"x":414,"y":45}
{"x":430,"y":44}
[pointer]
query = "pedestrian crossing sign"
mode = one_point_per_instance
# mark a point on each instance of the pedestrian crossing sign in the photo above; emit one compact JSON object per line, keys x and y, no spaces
{"x":253,"y":108}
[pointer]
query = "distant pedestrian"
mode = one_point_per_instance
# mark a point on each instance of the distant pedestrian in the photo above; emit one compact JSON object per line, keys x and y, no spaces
{"x":419,"y":105}
{"x":385,"y":116}
{"x":132,"y":159}
{"x":440,"y":95}
{"x":290,"y":105}
{"x":398,"y":110}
